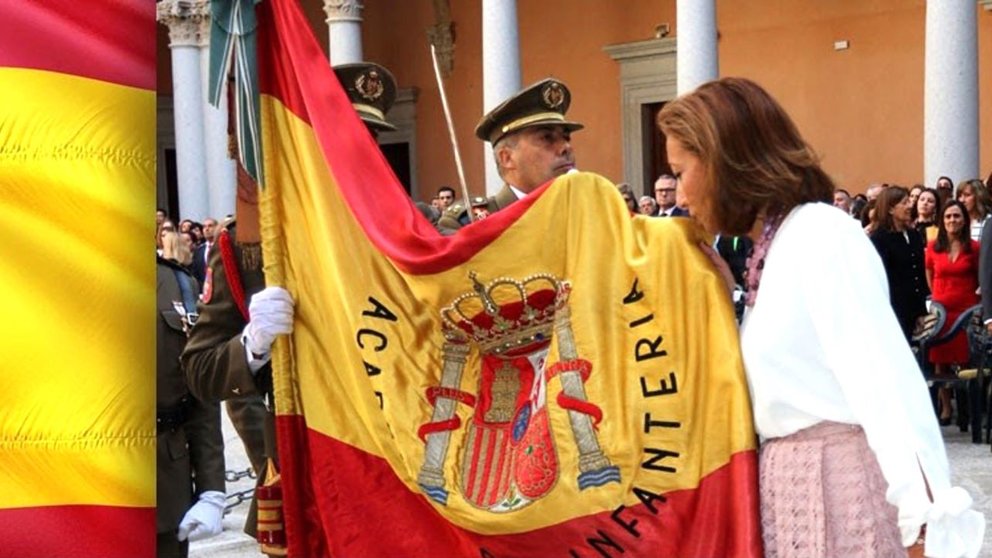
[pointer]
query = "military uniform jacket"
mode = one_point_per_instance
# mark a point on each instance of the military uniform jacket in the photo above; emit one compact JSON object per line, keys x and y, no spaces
{"x":503,"y":198}
{"x":215,"y":361}
{"x":190,"y":455}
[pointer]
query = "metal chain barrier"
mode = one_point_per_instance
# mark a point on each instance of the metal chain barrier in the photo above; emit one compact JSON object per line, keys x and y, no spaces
{"x":238,"y":498}
{"x":234,"y":476}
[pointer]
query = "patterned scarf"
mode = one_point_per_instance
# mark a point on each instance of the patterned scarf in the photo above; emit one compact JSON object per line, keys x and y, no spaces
{"x":756,"y":261}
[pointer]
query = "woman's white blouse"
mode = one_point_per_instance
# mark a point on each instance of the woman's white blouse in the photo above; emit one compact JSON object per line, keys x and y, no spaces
{"x":822,"y":343}
{"x":976,"y":228}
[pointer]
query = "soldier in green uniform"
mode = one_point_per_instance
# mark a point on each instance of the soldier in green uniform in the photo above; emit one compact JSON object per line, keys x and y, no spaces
{"x":531,"y":145}
{"x":228,"y":354}
{"x":456,"y":217}
{"x":190,"y":447}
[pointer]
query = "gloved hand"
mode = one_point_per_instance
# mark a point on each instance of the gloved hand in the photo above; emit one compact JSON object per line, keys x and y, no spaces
{"x":271,"y":311}
{"x":204,"y":519}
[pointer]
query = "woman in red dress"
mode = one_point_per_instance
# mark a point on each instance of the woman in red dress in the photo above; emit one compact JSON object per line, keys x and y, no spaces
{"x":952,"y":273}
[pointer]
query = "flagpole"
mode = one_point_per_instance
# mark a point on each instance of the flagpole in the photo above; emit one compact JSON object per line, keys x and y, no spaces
{"x":451,"y":134}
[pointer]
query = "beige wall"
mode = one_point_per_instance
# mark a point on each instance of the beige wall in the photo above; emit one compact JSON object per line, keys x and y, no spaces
{"x":860,"y":108}
{"x":557,"y":39}
{"x":395,"y":35}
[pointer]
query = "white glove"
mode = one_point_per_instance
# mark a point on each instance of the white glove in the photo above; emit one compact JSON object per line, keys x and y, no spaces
{"x":204,"y":519}
{"x":271,"y":311}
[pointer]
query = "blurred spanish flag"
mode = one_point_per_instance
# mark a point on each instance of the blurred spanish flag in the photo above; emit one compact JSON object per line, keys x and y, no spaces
{"x":77,"y":171}
{"x":555,"y":380}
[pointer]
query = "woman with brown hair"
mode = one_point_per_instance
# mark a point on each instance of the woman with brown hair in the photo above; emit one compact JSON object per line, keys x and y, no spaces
{"x":975,"y":198}
{"x":944,"y":188}
{"x":914,"y":194}
{"x":952,"y":273}
{"x":901,"y":248}
{"x":869,"y":217}
{"x":850,"y":451}
{"x":927,"y":210}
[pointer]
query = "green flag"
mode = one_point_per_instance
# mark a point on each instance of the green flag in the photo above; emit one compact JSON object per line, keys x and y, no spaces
{"x":233,"y":44}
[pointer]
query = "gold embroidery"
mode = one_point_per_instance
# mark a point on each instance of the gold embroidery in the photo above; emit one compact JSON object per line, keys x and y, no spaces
{"x":506,"y":386}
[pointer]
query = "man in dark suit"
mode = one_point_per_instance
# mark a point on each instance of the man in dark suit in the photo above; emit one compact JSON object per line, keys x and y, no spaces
{"x":735,"y":251}
{"x":666,"y":194}
{"x":201,"y":254}
{"x":531,"y":142}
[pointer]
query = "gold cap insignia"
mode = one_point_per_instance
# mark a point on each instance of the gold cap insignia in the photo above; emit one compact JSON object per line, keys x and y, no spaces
{"x":553,"y":95}
{"x":369,"y":85}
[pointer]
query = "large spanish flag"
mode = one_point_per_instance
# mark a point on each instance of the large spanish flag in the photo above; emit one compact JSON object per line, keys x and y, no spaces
{"x":77,"y":171}
{"x":555,"y":380}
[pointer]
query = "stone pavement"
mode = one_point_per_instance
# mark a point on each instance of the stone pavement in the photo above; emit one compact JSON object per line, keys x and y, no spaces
{"x":971,"y":468}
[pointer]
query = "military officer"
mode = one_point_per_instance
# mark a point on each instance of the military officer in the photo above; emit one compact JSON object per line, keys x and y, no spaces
{"x":228,"y":355}
{"x":190,"y":447}
{"x":480,"y":208}
{"x":372,"y":91}
{"x":531,"y":141}
{"x":456,"y":217}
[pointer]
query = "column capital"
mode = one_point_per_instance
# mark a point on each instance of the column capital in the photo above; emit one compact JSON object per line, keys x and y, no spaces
{"x":343,"y":10}
{"x":203,"y":31}
{"x":188,"y":21}
{"x":442,"y":36}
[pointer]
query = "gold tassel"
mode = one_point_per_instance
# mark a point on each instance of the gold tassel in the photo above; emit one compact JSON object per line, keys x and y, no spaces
{"x":271,"y":534}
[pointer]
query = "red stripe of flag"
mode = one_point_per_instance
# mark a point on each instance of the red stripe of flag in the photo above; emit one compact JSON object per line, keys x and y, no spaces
{"x":77,"y":531}
{"x":301,"y":518}
{"x":112,"y":40}
{"x":373,"y":513}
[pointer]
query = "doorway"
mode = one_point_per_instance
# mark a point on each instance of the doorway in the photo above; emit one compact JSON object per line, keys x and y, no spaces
{"x":398,"y":156}
{"x":655,"y":158}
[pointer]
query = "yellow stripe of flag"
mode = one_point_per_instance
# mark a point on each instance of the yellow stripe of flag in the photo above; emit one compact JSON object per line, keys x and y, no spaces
{"x":77,"y":401}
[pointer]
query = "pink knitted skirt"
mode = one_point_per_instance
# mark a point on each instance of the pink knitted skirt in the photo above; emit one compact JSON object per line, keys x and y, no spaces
{"x":823,"y":495}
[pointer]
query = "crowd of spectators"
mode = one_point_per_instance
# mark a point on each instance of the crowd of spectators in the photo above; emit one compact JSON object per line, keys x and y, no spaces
{"x":187,"y":244}
{"x":928,"y":241}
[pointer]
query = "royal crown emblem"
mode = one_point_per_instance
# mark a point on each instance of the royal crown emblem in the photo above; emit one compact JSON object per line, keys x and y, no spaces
{"x":510,"y":458}
{"x":524,"y":317}
{"x":369,"y":85}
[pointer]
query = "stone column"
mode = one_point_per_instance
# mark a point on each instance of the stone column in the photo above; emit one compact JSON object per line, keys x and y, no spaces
{"x":695,"y":30}
{"x":500,"y":68}
{"x":344,"y":26}
{"x":950,"y":121}
{"x":221,"y":177}
{"x":183,"y":18}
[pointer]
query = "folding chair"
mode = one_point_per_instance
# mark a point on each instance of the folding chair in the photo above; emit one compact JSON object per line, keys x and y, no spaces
{"x":966,"y":381}
{"x":927,"y":327}
{"x":977,"y":375}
